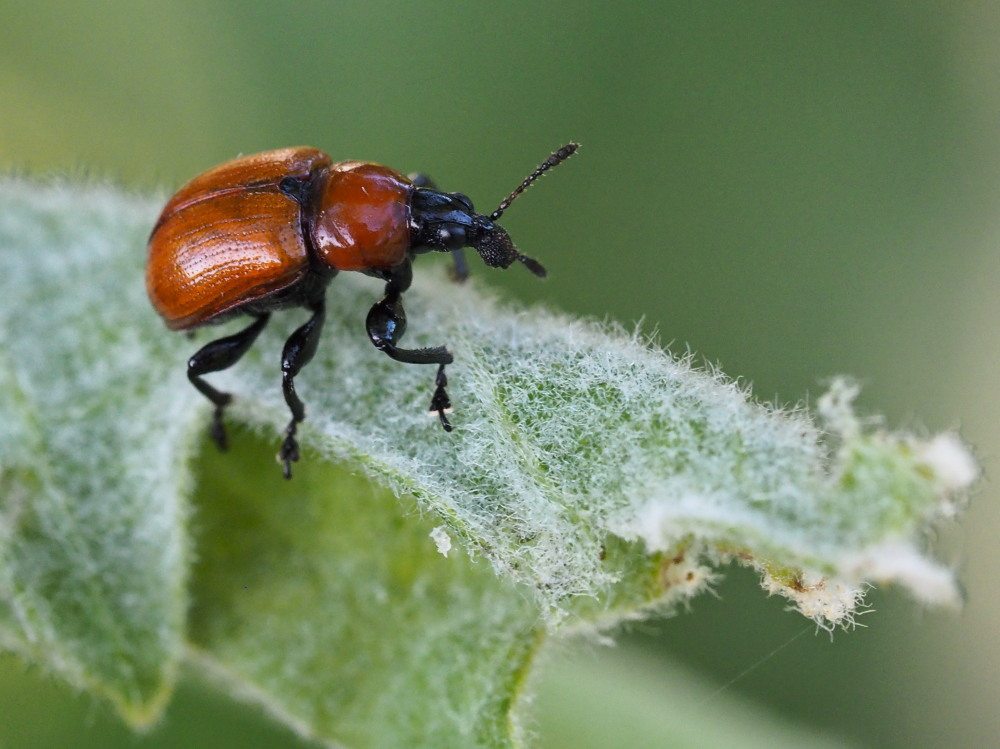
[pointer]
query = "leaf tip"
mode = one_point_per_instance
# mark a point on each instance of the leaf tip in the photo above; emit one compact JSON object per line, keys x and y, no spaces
{"x":950,"y":461}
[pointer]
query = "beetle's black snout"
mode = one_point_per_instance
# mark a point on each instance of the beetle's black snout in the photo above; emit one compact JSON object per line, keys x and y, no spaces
{"x":497,"y":250}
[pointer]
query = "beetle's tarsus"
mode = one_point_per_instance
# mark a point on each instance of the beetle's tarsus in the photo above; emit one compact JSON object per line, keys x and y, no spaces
{"x":440,"y":402}
{"x":289,"y":452}
{"x":218,"y":429}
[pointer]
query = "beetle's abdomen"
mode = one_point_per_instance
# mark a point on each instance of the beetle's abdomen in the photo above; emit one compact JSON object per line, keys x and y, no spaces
{"x":362,"y":217}
{"x":230,"y":237}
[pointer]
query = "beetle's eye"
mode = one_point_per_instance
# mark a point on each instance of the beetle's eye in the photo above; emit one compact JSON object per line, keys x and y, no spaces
{"x":452,"y":237}
{"x":464,"y":200}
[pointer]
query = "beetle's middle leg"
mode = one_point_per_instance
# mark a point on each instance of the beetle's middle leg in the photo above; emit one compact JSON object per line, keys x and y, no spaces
{"x":299,"y":350}
{"x":214,"y":357}
{"x":386,"y":324}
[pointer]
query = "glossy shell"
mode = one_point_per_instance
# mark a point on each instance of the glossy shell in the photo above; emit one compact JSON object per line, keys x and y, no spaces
{"x":229,"y":237}
{"x":362,"y":221}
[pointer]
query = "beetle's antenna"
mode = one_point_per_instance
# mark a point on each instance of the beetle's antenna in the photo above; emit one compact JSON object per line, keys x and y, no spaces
{"x":554,"y":160}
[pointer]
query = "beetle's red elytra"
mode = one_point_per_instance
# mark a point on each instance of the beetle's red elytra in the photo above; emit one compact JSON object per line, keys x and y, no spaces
{"x":268,"y":231}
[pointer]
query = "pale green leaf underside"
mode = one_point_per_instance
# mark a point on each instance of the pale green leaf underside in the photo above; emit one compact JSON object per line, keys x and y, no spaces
{"x":328,"y":601}
{"x":596,"y":474}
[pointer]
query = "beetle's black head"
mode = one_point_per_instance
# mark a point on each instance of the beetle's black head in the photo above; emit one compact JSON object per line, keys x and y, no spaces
{"x":447,"y":221}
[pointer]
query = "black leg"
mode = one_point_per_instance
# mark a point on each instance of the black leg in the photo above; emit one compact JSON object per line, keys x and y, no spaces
{"x":459,"y":268}
{"x":386,"y":325}
{"x":299,"y":350}
{"x":214,"y":357}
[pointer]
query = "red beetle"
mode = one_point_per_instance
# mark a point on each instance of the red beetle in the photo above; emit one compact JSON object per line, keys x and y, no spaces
{"x":268,"y":231}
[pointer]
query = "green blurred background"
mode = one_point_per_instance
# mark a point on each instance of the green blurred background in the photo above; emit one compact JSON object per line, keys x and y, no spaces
{"x":793,"y":190}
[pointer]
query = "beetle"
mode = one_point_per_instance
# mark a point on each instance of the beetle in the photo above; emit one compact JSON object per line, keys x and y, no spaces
{"x":269,"y":231}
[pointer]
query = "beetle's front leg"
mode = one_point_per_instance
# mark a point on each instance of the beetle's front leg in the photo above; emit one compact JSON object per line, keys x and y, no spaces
{"x":386,"y":324}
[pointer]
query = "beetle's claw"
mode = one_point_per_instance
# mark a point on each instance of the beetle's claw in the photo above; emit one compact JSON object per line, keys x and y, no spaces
{"x":288,"y":454}
{"x":445,"y":424}
{"x":441,"y":406}
{"x":441,"y":409}
{"x":218,"y":430}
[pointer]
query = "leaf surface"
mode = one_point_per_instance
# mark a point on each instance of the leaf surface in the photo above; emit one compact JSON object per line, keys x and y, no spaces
{"x":591,"y":478}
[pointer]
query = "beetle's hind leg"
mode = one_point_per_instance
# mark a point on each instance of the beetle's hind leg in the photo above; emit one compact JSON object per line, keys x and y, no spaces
{"x":299,"y":350}
{"x":214,"y":357}
{"x":386,"y":324}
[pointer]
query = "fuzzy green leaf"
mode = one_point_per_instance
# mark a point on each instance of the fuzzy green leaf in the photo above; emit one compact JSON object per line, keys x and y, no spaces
{"x":597,"y":476}
{"x":92,"y":449}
